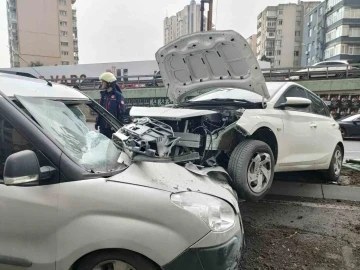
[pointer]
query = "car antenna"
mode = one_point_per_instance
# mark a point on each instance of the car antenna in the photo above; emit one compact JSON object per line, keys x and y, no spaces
{"x":48,"y":82}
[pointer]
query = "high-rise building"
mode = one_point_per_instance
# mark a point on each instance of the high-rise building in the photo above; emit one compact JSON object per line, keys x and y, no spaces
{"x":279,"y":33}
{"x":332,"y":32}
{"x":342,"y":27}
{"x":42,"y":32}
{"x":185,"y":22}
{"x":314,"y":36}
{"x":252,"y":40}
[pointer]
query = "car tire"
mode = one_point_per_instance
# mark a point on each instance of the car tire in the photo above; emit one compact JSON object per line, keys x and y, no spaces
{"x":245,"y":176}
{"x":333,"y":173}
{"x":343,"y":132}
{"x":96,"y":260}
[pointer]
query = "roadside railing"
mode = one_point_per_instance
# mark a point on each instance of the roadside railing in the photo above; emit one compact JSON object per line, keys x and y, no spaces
{"x":271,"y":74}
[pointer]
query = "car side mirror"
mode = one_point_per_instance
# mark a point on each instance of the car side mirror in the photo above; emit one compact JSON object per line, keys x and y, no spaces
{"x":295,"y":102}
{"x":23,"y":168}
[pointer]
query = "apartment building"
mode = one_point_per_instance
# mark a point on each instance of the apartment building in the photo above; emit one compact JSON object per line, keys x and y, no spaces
{"x":42,"y":32}
{"x":342,"y":27}
{"x":280,"y":33}
{"x":185,"y":22}
{"x":314,"y":35}
{"x":252,"y":40}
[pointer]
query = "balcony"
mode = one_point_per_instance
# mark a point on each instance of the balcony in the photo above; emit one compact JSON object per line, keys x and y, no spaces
{"x":75,"y":29}
{"x":76,"y":49}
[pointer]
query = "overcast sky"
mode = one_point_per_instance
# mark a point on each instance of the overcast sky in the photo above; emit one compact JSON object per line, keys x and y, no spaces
{"x":116,"y":31}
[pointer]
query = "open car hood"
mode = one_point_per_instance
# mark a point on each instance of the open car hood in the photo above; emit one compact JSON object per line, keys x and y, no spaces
{"x":207,"y":60}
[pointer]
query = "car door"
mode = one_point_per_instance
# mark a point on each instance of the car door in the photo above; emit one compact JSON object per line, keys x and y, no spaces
{"x":297,"y":139}
{"x":355,"y":128}
{"x":327,"y":131}
{"x":28,"y":213}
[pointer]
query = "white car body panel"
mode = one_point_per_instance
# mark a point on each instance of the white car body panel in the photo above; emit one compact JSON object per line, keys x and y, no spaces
{"x":167,"y":113}
{"x":209,"y":59}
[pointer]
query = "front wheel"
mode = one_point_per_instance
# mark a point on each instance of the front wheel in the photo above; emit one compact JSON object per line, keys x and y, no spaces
{"x":251,"y":167}
{"x":115,"y":259}
{"x":334,"y":171}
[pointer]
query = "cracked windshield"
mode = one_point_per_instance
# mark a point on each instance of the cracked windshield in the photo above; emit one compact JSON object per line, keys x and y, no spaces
{"x":240,"y":120}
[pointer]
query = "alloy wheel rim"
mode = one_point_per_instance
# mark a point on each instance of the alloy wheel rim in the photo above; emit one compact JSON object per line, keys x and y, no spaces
{"x":337,"y":162}
{"x":259,"y":172}
{"x":113,"y":265}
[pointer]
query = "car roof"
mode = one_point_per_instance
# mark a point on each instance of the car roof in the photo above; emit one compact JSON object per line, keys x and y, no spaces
{"x":12,"y":85}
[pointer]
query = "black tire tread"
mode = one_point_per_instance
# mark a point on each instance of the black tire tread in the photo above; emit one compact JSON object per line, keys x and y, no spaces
{"x":329,"y":173}
{"x":238,"y":157}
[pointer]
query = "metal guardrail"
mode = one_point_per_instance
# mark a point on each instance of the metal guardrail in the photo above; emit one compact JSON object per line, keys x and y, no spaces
{"x":271,"y":74}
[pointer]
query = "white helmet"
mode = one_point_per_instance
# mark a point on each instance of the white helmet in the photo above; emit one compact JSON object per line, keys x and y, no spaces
{"x":107,"y":77}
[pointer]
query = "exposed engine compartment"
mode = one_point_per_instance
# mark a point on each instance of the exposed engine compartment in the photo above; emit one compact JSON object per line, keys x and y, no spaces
{"x":200,"y":139}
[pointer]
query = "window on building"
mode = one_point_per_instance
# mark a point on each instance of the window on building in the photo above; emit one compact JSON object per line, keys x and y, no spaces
{"x":353,"y":13}
{"x":279,"y":32}
{"x":271,"y":23}
{"x":65,"y":63}
{"x":311,"y":17}
{"x":309,"y":47}
{"x":278,"y":52}
{"x":354,"y":32}
{"x":277,"y":63}
{"x":296,"y":53}
{"x":64,"y":43}
{"x":280,"y":22}
{"x":63,"y":12}
{"x":63,"y":33}
{"x":62,"y":2}
{"x":278,"y":43}
{"x":64,"y":53}
{"x":298,"y":23}
{"x":280,"y":12}
{"x":321,"y":11}
{"x":308,"y":61}
{"x":63,"y":23}
{"x":297,"y":33}
{"x":310,"y":32}
{"x":354,"y":50}
{"x":269,"y":53}
{"x":271,"y":34}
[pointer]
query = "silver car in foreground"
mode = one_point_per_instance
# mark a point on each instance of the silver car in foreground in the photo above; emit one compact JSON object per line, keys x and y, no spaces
{"x":70,"y":199}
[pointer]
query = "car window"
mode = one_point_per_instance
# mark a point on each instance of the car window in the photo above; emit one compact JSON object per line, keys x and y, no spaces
{"x":11,"y":142}
{"x":317,"y":105}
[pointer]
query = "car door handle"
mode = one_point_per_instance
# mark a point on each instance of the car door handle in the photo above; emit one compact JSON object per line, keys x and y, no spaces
{"x":313,"y":125}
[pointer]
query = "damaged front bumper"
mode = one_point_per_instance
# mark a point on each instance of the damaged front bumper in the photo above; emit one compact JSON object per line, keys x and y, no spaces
{"x":153,"y":141}
{"x":225,"y":256}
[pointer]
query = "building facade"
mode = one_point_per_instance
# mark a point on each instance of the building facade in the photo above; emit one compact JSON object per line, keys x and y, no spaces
{"x":42,"y":32}
{"x":342,"y":26}
{"x":252,"y":40}
{"x":185,"y":22}
{"x":314,"y":36}
{"x":280,"y":33}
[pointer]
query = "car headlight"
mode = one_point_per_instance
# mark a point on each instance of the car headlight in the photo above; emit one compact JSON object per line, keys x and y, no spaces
{"x":216,"y":213}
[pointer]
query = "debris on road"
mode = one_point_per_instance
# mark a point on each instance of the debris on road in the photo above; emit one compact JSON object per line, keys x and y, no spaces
{"x":317,"y":234}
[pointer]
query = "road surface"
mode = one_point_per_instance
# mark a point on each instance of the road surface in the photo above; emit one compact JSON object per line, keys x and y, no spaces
{"x":352,"y":149}
{"x":282,"y":234}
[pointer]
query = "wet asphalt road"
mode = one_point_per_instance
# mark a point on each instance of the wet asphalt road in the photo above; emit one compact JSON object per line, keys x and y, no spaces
{"x":284,"y":234}
{"x":352,"y":149}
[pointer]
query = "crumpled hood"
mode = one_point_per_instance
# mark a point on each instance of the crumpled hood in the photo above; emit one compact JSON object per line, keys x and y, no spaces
{"x":174,"y":178}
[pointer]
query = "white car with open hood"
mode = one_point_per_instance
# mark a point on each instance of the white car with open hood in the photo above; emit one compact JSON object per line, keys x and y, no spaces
{"x":224,"y":113}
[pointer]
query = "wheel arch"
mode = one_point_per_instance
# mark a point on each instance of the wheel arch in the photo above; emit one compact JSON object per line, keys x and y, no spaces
{"x":75,"y":265}
{"x":267,"y":135}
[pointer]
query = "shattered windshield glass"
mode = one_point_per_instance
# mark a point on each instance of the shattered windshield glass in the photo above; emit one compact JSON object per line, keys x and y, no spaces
{"x":67,"y":125}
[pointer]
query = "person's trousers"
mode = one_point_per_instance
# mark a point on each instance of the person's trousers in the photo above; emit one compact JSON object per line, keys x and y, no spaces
{"x":107,"y":132}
